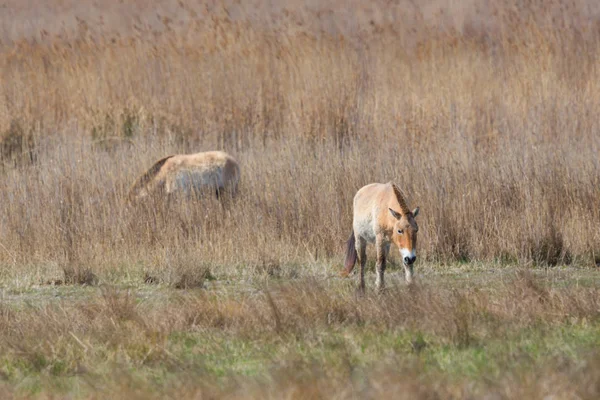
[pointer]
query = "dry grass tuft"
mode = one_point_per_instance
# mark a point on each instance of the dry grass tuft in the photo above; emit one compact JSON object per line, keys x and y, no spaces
{"x":79,"y":276}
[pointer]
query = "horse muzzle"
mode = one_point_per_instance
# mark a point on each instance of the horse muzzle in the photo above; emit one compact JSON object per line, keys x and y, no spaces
{"x":409,"y":260}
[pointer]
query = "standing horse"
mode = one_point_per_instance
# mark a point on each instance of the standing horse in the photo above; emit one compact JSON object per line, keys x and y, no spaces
{"x":381,"y":216}
{"x":213,"y":171}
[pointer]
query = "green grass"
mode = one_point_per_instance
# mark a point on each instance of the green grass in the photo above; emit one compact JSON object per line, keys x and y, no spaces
{"x":101,"y":339}
{"x":215,"y":357}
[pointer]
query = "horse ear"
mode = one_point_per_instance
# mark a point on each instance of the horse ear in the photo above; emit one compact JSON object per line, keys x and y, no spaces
{"x":396,"y":214}
{"x":415,"y":212}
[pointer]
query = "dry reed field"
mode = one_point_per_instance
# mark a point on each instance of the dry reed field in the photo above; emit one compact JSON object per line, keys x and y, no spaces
{"x":483,"y":112}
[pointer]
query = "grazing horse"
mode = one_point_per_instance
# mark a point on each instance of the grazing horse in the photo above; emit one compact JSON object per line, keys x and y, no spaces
{"x":381,"y":216}
{"x":213,"y":171}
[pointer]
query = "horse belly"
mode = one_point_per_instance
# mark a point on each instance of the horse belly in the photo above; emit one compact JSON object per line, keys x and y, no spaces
{"x":197,"y":181}
{"x":363,"y":227}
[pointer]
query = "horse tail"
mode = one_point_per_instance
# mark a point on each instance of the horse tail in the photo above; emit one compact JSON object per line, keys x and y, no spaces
{"x":235,"y":175}
{"x":146,"y":177}
{"x":230,"y":175}
{"x":351,"y":255}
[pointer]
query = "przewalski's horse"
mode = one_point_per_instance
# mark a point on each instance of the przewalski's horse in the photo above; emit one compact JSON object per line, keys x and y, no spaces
{"x":381,"y":216}
{"x":212,"y":171}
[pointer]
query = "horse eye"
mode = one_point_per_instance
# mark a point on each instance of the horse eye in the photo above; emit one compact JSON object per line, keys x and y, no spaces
{"x":400,"y":231}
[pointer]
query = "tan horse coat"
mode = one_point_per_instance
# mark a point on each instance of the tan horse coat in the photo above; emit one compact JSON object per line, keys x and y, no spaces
{"x":211,"y":171}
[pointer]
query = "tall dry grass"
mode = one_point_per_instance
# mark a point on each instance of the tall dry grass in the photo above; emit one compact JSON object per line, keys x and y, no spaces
{"x":484,"y":114}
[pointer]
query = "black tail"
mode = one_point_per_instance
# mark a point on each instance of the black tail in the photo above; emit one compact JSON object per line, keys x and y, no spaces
{"x":351,"y":255}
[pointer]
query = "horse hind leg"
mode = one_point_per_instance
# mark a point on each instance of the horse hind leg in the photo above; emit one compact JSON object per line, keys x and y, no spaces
{"x":361,"y":251}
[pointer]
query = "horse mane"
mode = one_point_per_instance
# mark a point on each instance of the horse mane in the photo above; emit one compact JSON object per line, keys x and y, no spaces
{"x":146,"y":177}
{"x":403,"y":207}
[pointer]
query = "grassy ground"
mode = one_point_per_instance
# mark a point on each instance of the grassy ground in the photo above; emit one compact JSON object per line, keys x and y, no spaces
{"x":465,"y":331}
